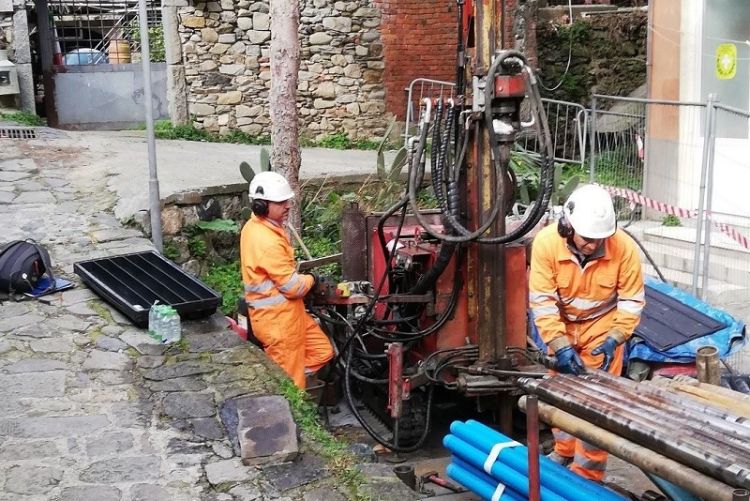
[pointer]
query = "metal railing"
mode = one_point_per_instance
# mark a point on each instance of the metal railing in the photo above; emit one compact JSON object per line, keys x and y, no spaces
{"x":568,"y":124}
{"x":90,"y":32}
{"x":567,"y":121}
{"x":419,"y":89}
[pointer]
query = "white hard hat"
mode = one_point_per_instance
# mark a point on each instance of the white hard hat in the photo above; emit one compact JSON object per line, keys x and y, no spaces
{"x":590,"y":212}
{"x":270,"y":186}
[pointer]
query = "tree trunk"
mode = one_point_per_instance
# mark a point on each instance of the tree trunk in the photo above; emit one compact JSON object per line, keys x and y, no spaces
{"x":285,"y":54}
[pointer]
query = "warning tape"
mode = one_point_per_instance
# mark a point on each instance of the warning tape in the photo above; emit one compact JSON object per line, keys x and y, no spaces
{"x":635,"y":197}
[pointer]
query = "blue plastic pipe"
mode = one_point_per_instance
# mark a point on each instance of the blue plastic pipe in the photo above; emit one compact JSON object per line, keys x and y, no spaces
{"x":554,"y":476}
{"x":478,"y":486}
{"x":671,"y":490}
{"x":480,"y":474}
{"x":502,"y":473}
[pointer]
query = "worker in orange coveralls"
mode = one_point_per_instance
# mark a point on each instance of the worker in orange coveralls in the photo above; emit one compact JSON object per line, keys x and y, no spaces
{"x":586,"y":296}
{"x":273,"y":289}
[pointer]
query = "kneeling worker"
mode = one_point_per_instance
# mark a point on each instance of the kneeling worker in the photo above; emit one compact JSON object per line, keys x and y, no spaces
{"x":586,"y":295}
{"x":273,"y":289}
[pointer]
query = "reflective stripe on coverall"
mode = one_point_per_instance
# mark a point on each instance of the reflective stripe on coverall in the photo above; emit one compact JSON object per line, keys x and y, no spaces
{"x":583,"y":306}
{"x":274,"y":292}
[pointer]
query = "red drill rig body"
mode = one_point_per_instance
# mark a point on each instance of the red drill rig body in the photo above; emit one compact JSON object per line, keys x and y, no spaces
{"x":438,"y":299}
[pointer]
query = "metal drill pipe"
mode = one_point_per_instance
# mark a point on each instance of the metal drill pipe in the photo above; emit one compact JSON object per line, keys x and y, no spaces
{"x":697,"y":458}
{"x":633,"y":427}
{"x":705,"y":413}
{"x":707,"y":365}
{"x":657,"y":418}
{"x":733,"y":405}
{"x":701,"y":425}
{"x":685,"y":401}
{"x":646,"y":459}
{"x":743,"y":397}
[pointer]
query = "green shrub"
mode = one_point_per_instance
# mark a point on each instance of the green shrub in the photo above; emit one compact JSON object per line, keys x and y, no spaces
{"x":226,"y":279}
{"x":157,"y":50}
{"x":22,"y":118}
{"x":671,"y":220}
{"x":170,"y":250}
{"x":337,"y":141}
{"x":197,"y":246}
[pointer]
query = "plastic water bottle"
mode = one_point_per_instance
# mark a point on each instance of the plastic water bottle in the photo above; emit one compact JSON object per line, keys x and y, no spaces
{"x":172,"y":332}
{"x":154,"y":317}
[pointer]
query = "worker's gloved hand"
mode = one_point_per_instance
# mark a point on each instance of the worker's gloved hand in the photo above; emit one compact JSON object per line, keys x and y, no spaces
{"x":315,"y":289}
{"x":607,"y":348}
{"x":568,"y":361}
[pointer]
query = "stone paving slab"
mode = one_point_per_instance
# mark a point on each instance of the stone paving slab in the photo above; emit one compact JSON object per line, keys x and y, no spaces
{"x":93,"y":408}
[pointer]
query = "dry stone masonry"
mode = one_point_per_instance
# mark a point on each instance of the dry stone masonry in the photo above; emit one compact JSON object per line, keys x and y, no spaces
{"x":225,"y":46}
{"x":6,"y":29}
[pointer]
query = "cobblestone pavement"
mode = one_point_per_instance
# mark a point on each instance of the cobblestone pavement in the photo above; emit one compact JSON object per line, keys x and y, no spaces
{"x":91,"y":408}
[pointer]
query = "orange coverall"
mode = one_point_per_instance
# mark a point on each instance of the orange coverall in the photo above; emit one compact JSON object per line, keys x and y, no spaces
{"x":274,"y":292}
{"x":582,"y":306}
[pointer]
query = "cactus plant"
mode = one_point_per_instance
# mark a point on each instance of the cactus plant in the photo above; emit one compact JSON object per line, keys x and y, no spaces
{"x":248,"y":173}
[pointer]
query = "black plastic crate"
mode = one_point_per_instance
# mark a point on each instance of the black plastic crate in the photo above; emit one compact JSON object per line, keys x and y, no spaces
{"x":133,"y":282}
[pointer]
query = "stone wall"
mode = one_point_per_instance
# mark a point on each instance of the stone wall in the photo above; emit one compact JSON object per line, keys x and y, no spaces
{"x":608,"y":56}
{"x":14,"y":37}
{"x":6,"y":30}
{"x":225,"y":47}
{"x":191,"y":248}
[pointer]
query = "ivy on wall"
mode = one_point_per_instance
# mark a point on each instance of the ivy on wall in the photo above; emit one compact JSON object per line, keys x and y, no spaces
{"x":607,"y":56}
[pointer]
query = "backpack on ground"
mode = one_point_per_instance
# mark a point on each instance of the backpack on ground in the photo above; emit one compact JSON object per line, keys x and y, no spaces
{"x":22,"y":264}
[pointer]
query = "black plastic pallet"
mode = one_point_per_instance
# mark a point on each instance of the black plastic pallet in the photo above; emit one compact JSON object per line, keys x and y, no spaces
{"x":134,"y":282}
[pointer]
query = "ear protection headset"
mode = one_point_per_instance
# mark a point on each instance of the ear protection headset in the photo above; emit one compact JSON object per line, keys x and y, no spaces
{"x":564,"y":229}
{"x":259,"y":206}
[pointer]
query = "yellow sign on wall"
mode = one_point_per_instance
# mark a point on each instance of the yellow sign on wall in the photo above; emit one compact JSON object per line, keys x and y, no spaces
{"x":726,"y":61}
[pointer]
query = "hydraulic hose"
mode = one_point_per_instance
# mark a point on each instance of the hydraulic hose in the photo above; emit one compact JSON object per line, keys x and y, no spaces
{"x":499,"y":178}
{"x":370,"y":430}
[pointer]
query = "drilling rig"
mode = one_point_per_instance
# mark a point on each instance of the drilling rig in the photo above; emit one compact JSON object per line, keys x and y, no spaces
{"x":437,"y":300}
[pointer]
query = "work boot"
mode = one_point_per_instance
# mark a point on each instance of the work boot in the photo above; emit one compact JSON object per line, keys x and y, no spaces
{"x":557,"y":458}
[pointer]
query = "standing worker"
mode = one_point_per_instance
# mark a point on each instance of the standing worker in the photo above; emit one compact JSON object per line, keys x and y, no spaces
{"x":274,"y":291}
{"x":586,"y":296}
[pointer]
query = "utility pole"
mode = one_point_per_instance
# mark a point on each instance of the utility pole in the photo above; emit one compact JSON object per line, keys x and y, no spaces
{"x":148,"y":103}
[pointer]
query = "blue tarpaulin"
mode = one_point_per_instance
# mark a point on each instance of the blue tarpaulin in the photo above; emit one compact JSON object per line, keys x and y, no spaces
{"x":729,"y":337}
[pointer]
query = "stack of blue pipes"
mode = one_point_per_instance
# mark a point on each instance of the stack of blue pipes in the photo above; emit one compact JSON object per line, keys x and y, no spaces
{"x":496,"y":468}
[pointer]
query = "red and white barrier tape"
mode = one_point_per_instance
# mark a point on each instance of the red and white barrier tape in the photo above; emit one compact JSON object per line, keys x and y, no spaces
{"x":635,"y":197}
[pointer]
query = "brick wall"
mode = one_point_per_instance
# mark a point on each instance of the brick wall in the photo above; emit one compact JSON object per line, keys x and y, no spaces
{"x":419,"y":41}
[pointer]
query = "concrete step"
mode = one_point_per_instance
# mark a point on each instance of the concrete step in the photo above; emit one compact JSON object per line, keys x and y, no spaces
{"x":683,"y":237}
{"x":721,"y":267}
{"x":718,"y":293}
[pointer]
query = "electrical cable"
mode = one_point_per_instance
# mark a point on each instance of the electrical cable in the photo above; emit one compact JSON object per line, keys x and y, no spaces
{"x":570,"y":51}
{"x":546,"y":174}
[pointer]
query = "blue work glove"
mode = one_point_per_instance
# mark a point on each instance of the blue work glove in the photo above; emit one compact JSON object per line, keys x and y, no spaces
{"x":607,"y":348}
{"x":568,"y":361}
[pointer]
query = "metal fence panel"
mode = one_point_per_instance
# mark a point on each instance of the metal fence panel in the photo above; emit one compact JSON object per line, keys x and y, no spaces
{"x":687,"y":184}
{"x":419,"y":89}
{"x":568,"y":128}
